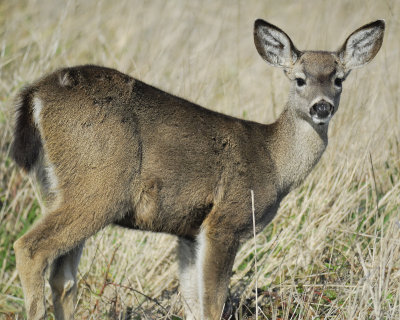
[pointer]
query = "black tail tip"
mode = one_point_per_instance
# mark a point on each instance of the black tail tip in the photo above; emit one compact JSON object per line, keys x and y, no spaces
{"x":27,"y":143}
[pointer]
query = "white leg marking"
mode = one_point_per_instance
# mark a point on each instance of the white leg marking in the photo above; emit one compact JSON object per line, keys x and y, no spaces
{"x":68,"y":279}
{"x":201,"y":251}
{"x":37,"y":108}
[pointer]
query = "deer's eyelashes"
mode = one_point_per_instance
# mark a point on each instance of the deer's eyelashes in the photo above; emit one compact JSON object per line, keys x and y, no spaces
{"x":300,"y":82}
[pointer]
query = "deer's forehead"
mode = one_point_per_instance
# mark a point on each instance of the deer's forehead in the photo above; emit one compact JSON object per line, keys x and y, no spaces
{"x":318,"y":64}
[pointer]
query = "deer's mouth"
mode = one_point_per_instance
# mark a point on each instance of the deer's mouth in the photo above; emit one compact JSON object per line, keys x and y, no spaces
{"x":321,"y":112}
{"x":321,"y":121}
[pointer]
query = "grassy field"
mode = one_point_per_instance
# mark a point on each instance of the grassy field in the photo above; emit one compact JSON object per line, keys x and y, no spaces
{"x":332,"y":252}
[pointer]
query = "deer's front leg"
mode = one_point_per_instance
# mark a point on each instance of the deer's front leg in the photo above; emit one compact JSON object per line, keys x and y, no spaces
{"x":217,"y":247}
{"x":188,"y":277}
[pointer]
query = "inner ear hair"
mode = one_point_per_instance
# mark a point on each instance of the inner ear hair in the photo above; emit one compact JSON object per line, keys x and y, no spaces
{"x":274,"y":45}
{"x":362,"y":45}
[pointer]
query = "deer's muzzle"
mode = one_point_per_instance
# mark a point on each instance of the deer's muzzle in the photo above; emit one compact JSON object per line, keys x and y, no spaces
{"x":321,"y":112}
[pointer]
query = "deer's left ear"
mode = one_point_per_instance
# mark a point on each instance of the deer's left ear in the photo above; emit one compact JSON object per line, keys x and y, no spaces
{"x":362,"y":45}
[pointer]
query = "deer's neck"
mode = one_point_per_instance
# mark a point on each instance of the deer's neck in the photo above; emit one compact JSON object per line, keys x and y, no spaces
{"x":296,"y":147}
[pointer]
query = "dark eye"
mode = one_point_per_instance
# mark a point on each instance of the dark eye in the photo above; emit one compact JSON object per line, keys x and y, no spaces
{"x":300,"y":82}
{"x":338,"y":82}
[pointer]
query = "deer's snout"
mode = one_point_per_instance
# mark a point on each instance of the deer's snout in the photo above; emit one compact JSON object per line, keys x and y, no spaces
{"x":321,"y":109}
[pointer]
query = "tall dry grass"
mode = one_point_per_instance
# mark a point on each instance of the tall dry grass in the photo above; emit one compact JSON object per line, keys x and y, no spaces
{"x":333,"y":251}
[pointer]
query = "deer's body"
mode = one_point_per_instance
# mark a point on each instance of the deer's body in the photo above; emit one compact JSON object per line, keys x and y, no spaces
{"x":111,"y":149}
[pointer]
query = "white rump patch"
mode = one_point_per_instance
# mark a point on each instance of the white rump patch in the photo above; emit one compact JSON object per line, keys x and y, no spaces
{"x":37,"y":108}
{"x":51,"y":178}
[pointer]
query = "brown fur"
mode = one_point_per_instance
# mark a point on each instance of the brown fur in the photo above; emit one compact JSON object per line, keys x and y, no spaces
{"x":116,"y":150}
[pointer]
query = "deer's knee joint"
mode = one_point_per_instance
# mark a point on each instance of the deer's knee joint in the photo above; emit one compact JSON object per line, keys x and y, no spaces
{"x":18,"y":246}
{"x":23,"y":255}
{"x":61,"y":286}
{"x":68,"y":285}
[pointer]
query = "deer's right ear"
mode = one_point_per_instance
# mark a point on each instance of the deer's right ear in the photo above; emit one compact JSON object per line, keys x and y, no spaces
{"x":274,"y":45}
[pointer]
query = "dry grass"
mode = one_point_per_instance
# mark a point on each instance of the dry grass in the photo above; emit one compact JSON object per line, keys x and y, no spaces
{"x":333,"y":252}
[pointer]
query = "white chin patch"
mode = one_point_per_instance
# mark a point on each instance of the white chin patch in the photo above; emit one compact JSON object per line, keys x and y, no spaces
{"x":320,"y":121}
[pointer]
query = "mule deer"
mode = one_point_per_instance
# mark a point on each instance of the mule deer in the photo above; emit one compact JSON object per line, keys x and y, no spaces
{"x":110,"y":149}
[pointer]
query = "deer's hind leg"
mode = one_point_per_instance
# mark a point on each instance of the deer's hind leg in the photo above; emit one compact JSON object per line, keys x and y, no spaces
{"x":57,"y":233}
{"x":63,"y":283}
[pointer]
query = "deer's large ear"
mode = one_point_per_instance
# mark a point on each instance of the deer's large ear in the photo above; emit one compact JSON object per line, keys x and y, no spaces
{"x":362,"y":45}
{"x":274,"y":45}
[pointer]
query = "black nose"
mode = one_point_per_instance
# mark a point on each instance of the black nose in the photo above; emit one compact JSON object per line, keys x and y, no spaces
{"x":322,"y":109}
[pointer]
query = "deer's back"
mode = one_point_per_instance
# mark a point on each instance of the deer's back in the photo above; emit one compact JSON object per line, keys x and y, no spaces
{"x":170,"y":160}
